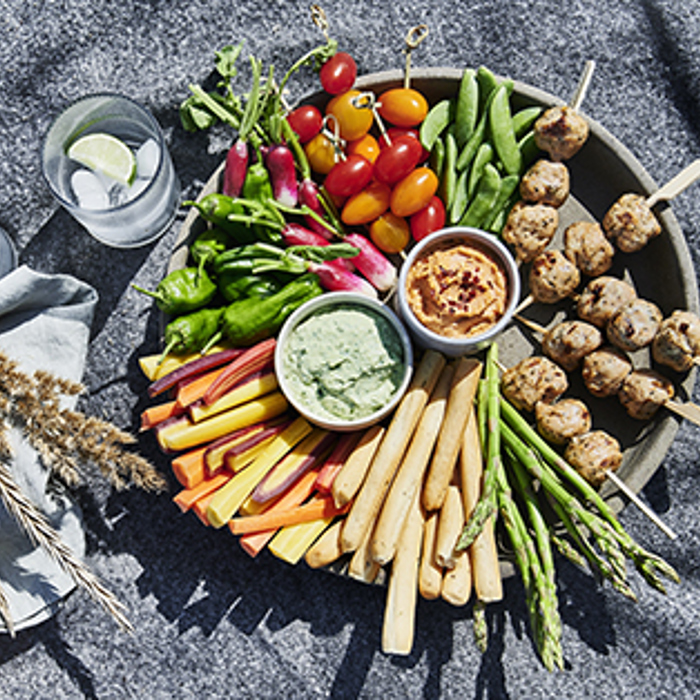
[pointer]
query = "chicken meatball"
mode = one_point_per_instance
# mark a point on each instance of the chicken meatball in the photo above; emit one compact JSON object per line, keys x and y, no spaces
{"x":553,"y":277}
{"x":630,"y":224}
{"x":587,"y":247}
{"x":601,"y":298}
{"x":531,"y":380}
{"x":643,"y":392}
{"x":604,"y":370}
{"x":563,"y":420}
{"x":570,"y":341}
{"x":677,"y":342}
{"x":593,"y":455}
{"x":545,"y":182}
{"x":561,"y":132}
{"x":634,"y":325}
{"x":530,"y":228}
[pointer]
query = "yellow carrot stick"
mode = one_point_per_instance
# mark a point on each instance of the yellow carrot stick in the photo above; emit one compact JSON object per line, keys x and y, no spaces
{"x":369,"y":499}
{"x":291,"y":543}
{"x":193,"y":434}
{"x":229,"y":499}
{"x":464,"y":386}
{"x":252,"y":389}
{"x":153,"y":368}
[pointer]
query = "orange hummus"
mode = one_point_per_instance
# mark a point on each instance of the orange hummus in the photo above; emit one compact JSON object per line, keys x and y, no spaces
{"x":457,"y":290}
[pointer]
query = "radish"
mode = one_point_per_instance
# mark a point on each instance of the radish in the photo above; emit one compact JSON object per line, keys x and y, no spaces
{"x":235,"y":169}
{"x":371,"y":263}
{"x":335,"y":278}
{"x":279,"y":161}
{"x":309,"y":196}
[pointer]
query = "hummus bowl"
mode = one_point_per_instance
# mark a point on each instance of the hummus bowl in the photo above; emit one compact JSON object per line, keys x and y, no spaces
{"x":458,"y":290}
{"x":344,"y":361}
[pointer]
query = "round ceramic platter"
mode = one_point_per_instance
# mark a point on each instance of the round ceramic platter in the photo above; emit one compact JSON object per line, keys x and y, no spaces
{"x":601,"y":172}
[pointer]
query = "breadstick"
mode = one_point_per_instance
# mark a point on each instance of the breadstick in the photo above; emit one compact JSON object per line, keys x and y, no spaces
{"x":464,"y":386}
{"x":365,"y":508}
{"x":429,"y":574}
{"x":457,"y":583}
{"x":410,"y":472}
{"x":351,"y":475}
{"x":362,"y":567}
{"x":450,"y":524}
{"x":402,"y":591}
{"x":486,"y":571}
{"x":326,"y":549}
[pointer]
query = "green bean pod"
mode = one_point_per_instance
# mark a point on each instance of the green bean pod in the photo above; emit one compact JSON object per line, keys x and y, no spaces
{"x":467,"y":108}
{"x":461,"y":199}
{"x":485,"y":196}
{"x":483,"y":156}
{"x":502,"y":133}
{"x":508,"y":191}
{"x":437,"y":157}
{"x":523,"y":120}
{"x":449,"y":171}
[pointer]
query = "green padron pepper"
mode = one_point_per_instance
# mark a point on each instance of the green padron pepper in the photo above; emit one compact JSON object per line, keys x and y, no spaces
{"x":247,"y":321}
{"x":257,"y":187}
{"x":207,"y":245}
{"x":233,"y":285}
{"x":182,"y":291}
{"x":216,"y":208}
{"x":192,"y":332}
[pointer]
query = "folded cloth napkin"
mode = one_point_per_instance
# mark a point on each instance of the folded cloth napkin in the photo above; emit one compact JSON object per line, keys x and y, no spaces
{"x":44,"y":324}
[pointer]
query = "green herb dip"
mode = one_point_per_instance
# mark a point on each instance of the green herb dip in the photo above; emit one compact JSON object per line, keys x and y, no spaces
{"x":346,"y":362}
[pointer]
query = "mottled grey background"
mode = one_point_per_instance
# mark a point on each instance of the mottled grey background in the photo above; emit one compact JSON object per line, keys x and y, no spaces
{"x":209,"y":621}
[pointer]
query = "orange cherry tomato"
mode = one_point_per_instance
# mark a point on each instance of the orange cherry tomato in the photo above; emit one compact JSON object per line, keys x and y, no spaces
{"x":321,"y":154}
{"x":367,"y":205}
{"x":414,"y":192}
{"x":353,"y":122}
{"x":403,"y":106}
{"x":367,"y":147}
{"x":390,"y":233}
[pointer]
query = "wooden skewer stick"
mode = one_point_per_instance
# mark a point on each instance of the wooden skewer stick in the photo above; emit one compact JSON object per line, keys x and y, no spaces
{"x":529,"y":299}
{"x":621,"y":485}
{"x":676,"y":185}
{"x":582,"y":88}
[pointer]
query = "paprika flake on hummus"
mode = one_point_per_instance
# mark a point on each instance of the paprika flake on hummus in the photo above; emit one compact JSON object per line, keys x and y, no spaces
{"x":457,"y":290}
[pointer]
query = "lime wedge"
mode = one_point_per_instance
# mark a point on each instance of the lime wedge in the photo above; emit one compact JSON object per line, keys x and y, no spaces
{"x":106,"y":154}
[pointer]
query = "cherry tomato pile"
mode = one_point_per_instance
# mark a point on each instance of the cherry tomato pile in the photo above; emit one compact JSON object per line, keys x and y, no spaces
{"x":381,"y":182}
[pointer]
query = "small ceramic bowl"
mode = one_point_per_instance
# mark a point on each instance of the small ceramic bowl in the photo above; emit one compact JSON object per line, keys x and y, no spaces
{"x":327,"y":352}
{"x":494,"y":249}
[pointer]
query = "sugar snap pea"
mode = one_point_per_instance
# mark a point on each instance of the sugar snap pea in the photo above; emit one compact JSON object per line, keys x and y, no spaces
{"x":467,"y":108}
{"x":437,"y":157}
{"x":524,"y":118}
{"x":528,"y":149}
{"x":487,"y":83}
{"x":483,"y":155}
{"x":461,"y":198}
{"x":502,"y":133}
{"x":483,"y":200}
{"x":506,"y":192}
{"x":440,"y":116}
{"x":449,"y":171}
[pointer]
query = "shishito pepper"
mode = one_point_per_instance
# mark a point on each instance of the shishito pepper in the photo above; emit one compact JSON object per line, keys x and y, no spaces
{"x":182,"y":291}
{"x":233,"y":285}
{"x":216,"y":209}
{"x":250,"y":320}
{"x":192,"y":332}
{"x":207,"y":245}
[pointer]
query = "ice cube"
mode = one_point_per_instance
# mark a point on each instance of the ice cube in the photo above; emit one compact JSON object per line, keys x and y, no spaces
{"x":147,"y":158}
{"x":135,"y":190}
{"x":89,"y":190}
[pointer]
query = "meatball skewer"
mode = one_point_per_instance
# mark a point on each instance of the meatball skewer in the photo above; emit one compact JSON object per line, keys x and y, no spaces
{"x":630,"y":222}
{"x":592,"y":453}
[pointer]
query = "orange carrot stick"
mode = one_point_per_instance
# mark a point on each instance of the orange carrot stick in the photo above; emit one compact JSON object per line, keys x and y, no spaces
{"x":154,"y":415}
{"x":188,"y":468}
{"x":190,"y":391}
{"x":200,"y":509}
{"x":297,"y":493}
{"x":316,"y":509}
{"x":188,"y":497}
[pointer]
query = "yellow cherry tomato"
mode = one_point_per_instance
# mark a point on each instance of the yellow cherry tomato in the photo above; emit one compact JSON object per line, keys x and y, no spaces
{"x":414,"y":192}
{"x":390,"y":233}
{"x":402,"y":107}
{"x":367,"y":205}
{"x":321,"y":154}
{"x":366,"y":146}
{"x":353,"y":122}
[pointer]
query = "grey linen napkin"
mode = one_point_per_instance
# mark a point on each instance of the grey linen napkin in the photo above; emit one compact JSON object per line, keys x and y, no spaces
{"x":44,"y":324}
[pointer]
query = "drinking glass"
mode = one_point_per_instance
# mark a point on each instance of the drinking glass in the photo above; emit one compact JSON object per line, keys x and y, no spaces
{"x":131,"y":216}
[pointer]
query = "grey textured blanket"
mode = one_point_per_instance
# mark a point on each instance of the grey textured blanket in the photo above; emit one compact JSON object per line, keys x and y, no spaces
{"x":211,"y":622}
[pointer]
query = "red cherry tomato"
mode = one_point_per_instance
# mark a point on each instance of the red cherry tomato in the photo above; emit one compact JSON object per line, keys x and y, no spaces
{"x":353,"y":122}
{"x":366,"y":146}
{"x":397,"y":161}
{"x":367,"y":205}
{"x":321,"y":154}
{"x":349,"y":176}
{"x":414,"y":192}
{"x":428,"y":220}
{"x":403,"y":106}
{"x":306,"y":121}
{"x":338,"y":73}
{"x":396,"y":132}
{"x":390,"y":233}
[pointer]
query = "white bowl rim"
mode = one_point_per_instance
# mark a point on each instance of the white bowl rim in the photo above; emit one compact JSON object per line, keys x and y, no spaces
{"x":319,"y":302}
{"x":489,"y":240}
